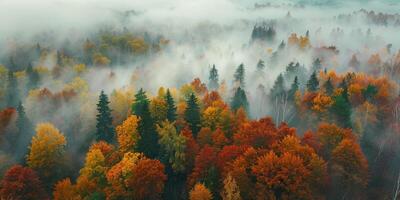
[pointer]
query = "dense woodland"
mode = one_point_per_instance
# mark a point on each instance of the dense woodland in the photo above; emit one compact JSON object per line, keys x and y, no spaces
{"x":318,"y":130}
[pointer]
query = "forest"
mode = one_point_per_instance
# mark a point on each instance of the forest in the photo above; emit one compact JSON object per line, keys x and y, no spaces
{"x":200,"y":100}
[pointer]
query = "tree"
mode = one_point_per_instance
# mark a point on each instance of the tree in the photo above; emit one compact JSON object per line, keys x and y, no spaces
{"x":239,"y":75}
{"x":64,"y":190}
{"x":47,"y":150}
{"x":293,"y":89}
{"x":240,"y":100}
{"x":148,"y":179}
{"x":25,"y":130}
{"x":281,"y":177}
{"x":316,"y":65}
{"x":341,"y":109}
{"x":213,"y":83}
{"x":12,"y":90}
{"x":200,"y":192}
{"x":148,"y":142}
{"x":105,"y":129}
{"x":127,"y":134}
{"x":278,"y":90}
{"x":260,"y":65}
{"x":172,"y":146}
{"x":171,"y":108}
{"x":231,"y":190}
{"x":33,"y":77}
{"x":192,"y":114}
{"x":349,"y":168}
{"x":21,"y":183}
{"x":328,"y":86}
{"x":313,"y":83}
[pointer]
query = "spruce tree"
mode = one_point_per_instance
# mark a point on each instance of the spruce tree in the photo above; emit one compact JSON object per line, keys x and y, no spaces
{"x":239,"y":100}
{"x":33,"y":77}
{"x":192,"y":114}
{"x":260,"y":65}
{"x":148,"y":142}
{"x":278,"y":89}
{"x":317,"y":65}
{"x":293,"y":89}
{"x":329,"y":87}
{"x":171,"y":108}
{"x":25,"y":132}
{"x":239,"y":75}
{"x":313,"y":83}
{"x":213,"y":79}
{"x":341,"y":107}
{"x":105,"y":129}
{"x":12,"y":97}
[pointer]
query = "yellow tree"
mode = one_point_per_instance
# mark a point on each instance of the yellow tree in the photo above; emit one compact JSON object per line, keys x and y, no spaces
{"x":158,"y":109}
{"x":47,"y":150}
{"x":120,"y":104}
{"x":127,"y":134}
{"x":64,"y":190}
{"x":200,"y":192}
{"x":231,"y":190}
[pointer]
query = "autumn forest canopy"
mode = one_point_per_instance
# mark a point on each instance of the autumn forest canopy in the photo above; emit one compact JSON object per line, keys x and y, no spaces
{"x":199,"y":100}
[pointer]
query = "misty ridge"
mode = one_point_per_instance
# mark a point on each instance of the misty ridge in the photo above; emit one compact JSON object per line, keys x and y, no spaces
{"x":227,"y":99}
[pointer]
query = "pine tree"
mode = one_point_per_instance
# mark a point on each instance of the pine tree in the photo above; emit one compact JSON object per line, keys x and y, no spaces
{"x":25,"y":132}
{"x":192,"y":114}
{"x":279,"y":88}
{"x":213,"y":79}
{"x":171,"y":108}
{"x":341,"y":107}
{"x":239,"y":75}
{"x":313,"y":83}
{"x":12,"y":90}
{"x":260,"y":65}
{"x":317,"y":65}
{"x":329,"y":87}
{"x":240,"y":100}
{"x":33,"y":77}
{"x":293,"y":89}
{"x":105,"y":130}
{"x":148,"y":142}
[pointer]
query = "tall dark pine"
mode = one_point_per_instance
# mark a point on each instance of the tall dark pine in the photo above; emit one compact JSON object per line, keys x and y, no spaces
{"x":317,"y":65}
{"x":213,"y":79}
{"x":33,"y":77}
{"x":240,"y":100}
{"x":239,"y":75}
{"x":260,"y":65}
{"x":12,"y":97}
{"x":105,"y":129}
{"x":25,"y":132}
{"x":192,"y":114}
{"x":341,"y":107}
{"x":171,"y":108}
{"x":278,"y":90}
{"x":148,"y":142}
{"x":313,"y":83}
{"x":328,"y":87}
{"x":293,"y":89}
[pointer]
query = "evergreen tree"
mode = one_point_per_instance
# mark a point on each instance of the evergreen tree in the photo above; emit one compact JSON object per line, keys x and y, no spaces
{"x":213,"y":79}
{"x":313,"y":83}
{"x":171,"y":108}
{"x":279,"y":88}
{"x":239,"y":75}
{"x":281,"y":45}
{"x":240,"y":100}
{"x":12,"y":90}
{"x":148,"y":142}
{"x":192,"y":114}
{"x":25,"y":132}
{"x":260,"y":65}
{"x":329,"y":87}
{"x":317,"y":65}
{"x":341,"y":107}
{"x":105,"y":129}
{"x":33,"y":77}
{"x":293,"y":89}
